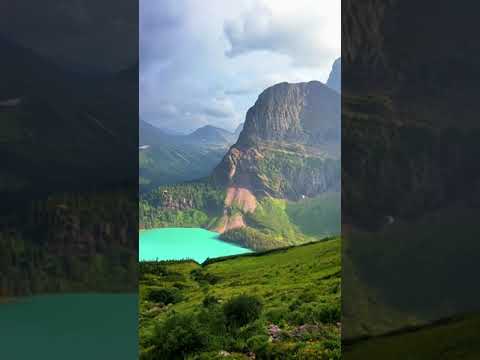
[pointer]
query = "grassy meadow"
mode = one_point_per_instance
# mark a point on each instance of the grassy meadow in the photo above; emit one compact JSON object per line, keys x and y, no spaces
{"x":457,"y":339}
{"x":281,"y":304}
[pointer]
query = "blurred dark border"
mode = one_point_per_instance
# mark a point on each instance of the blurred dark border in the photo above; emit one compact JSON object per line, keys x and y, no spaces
{"x":69,"y":150}
{"x":410,"y":179}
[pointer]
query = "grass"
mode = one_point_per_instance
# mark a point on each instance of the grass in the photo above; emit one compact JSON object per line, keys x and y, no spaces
{"x":297,"y":286}
{"x":278,"y":222}
{"x":450,"y":341}
{"x":427,"y":272}
{"x":319,"y":216}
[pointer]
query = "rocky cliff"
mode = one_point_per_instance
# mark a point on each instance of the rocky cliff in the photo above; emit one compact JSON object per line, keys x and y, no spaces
{"x":335,"y":78}
{"x":289,"y":146}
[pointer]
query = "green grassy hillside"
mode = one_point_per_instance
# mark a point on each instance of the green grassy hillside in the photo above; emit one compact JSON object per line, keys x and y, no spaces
{"x":194,"y":204}
{"x":277,"y":222}
{"x":173,"y":163}
{"x":281,"y":304}
{"x":427,"y":272}
{"x":451,"y":341}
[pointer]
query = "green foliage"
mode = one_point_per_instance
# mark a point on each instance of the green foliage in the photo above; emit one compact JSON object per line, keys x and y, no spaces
{"x":174,"y":163}
{"x":177,"y":336}
{"x":184,"y":205}
{"x":252,"y":238}
{"x":257,"y":343}
{"x":242,"y":310}
{"x":210,"y":300}
{"x":203,"y":277}
{"x":269,"y":227}
{"x":253,"y":292}
{"x":164,"y":295}
{"x":319,"y":216}
{"x":43,"y":250}
{"x":280,"y":167}
{"x":457,"y":339}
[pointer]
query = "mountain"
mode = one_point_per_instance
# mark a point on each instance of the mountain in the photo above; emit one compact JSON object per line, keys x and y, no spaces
{"x":335,"y":78}
{"x":269,"y":187}
{"x":238,"y":130}
{"x":171,"y":158}
{"x":289,"y":146}
{"x":151,"y":135}
{"x":211,"y":135}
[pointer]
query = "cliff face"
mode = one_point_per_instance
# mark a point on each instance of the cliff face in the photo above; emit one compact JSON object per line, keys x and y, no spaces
{"x":335,"y":78}
{"x":304,"y":113}
{"x":289,"y":146}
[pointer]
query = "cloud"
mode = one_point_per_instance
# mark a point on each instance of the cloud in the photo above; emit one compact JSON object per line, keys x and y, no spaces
{"x":212,"y":68}
{"x":307,"y":32}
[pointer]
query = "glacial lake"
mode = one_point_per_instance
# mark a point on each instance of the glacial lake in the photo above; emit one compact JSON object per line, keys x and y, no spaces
{"x":184,"y":243}
{"x":72,"y":326}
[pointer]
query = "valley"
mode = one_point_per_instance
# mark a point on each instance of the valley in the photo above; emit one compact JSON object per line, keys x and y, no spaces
{"x":261,"y":228}
{"x":286,"y":156}
{"x":172,"y":158}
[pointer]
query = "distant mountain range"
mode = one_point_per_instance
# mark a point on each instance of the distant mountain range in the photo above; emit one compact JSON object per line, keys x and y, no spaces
{"x":167,"y":158}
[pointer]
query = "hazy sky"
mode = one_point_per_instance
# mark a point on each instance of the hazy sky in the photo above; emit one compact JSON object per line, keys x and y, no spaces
{"x":206,"y":62}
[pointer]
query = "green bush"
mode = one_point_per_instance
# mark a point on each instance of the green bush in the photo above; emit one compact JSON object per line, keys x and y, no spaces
{"x":257,"y":343}
{"x":312,"y":313}
{"x":330,"y":313}
{"x":276,"y":315}
{"x":177,"y":337}
{"x":204,"y":277}
{"x":210,"y":300}
{"x":164,"y":295}
{"x":242,"y":310}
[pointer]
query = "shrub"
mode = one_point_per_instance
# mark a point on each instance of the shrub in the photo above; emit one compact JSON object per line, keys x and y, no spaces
{"x":257,"y":343}
{"x":330,"y":313}
{"x":210,"y":300}
{"x":276,"y":315}
{"x":178,"y":336}
{"x":308,"y":295}
{"x":204,"y":277}
{"x":164,"y":295}
{"x":242,"y":310}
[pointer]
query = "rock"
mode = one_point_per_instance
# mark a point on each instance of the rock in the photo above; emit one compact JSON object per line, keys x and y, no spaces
{"x":289,"y":146}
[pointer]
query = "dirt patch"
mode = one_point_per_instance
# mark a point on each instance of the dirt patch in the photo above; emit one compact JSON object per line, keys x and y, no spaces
{"x":229,"y":223}
{"x":242,"y":197}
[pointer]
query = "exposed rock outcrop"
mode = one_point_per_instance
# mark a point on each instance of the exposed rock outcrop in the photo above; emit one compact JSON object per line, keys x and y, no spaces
{"x":289,"y":146}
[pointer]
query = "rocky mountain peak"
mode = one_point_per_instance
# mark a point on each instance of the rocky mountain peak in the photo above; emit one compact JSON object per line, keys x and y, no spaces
{"x":335,"y":78}
{"x":301,"y":113}
{"x":288,"y":148}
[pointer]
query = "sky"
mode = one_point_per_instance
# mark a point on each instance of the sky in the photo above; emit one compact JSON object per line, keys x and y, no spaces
{"x":206,"y":62}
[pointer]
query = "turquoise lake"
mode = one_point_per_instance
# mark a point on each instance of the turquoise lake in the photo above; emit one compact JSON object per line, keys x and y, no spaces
{"x":73,"y":326}
{"x":184,"y":243}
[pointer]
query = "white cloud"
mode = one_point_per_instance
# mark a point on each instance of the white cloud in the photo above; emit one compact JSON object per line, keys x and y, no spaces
{"x":307,"y":31}
{"x":211,"y":62}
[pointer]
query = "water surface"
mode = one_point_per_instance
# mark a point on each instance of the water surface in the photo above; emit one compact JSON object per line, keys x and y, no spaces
{"x":184,"y":243}
{"x":73,"y":326}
